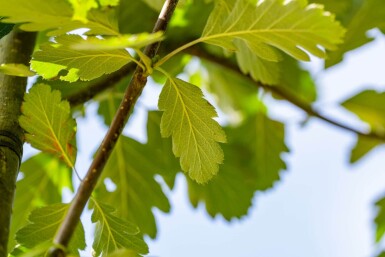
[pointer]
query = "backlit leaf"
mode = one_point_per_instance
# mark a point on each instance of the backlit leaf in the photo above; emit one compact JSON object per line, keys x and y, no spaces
{"x":48,"y":123}
{"x":16,"y":69}
{"x":123,"y":253}
{"x":290,"y":26}
{"x":54,"y":16}
{"x":131,"y":169}
{"x":195,"y":135}
{"x":86,"y":64}
{"x":253,"y":162}
{"x":369,"y":106}
{"x":44,"y":223}
{"x":119,"y":42}
{"x":363,"y":146}
{"x":113,"y":233}
{"x":42,"y":173}
{"x":81,"y":8}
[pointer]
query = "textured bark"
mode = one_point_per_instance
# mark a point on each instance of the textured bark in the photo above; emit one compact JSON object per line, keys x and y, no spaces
{"x":16,"y":47}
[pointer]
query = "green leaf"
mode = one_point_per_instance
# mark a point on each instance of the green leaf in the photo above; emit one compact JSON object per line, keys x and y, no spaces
{"x":299,"y":30}
{"x":55,"y":16}
{"x":44,"y":223}
{"x":154,"y":4}
{"x":369,"y":106}
{"x":119,"y":42}
{"x":48,"y":123}
{"x":123,"y":253}
{"x":113,"y":233}
{"x":370,"y":15}
{"x":41,"y":174}
{"x":131,"y":170}
{"x":380,"y":219}
{"x":252,"y":163}
{"x":5,"y":28}
{"x":81,"y":8}
{"x":16,"y":69}
{"x":86,"y":65}
{"x":195,"y":135}
{"x":363,"y":146}
{"x":108,"y":2}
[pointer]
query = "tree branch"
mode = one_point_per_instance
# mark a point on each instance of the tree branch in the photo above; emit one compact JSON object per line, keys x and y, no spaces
{"x":16,"y":47}
{"x":131,"y":95}
{"x":282,"y":92}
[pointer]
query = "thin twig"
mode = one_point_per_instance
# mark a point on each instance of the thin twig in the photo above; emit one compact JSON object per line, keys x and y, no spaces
{"x":282,"y":92}
{"x":131,"y":95}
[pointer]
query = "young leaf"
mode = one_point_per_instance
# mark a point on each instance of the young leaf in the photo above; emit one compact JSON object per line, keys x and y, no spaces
{"x":195,"y":135}
{"x":16,"y":69}
{"x":290,"y":26}
{"x":48,"y":123}
{"x":55,"y":16}
{"x":86,"y":65}
{"x":123,"y":253}
{"x":113,"y":233}
{"x":131,"y":169}
{"x":44,"y":222}
{"x":108,"y":2}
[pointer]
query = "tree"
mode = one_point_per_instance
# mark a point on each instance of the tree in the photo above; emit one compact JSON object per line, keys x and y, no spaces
{"x":245,"y":49}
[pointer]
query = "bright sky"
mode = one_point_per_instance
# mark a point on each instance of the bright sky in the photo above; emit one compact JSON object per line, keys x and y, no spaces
{"x":323,"y":207}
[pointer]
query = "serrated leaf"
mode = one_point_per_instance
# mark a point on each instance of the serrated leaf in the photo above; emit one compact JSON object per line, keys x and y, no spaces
{"x":113,"y":233}
{"x":41,"y":174}
{"x":5,"y":28}
{"x":252,"y":163}
{"x":48,"y":123}
{"x":54,"y":16}
{"x":369,"y":106}
{"x":81,"y":8}
{"x":16,"y":69}
{"x":362,"y":147}
{"x":119,"y":42}
{"x":86,"y":65}
{"x":132,"y":171}
{"x":195,"y":135}
{"x":299,"y":30}
{"x":44,"y":223}
{"x":369,"y":15}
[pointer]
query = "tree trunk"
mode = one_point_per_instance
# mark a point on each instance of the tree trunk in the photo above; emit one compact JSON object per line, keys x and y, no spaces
{"x":16,"y":47}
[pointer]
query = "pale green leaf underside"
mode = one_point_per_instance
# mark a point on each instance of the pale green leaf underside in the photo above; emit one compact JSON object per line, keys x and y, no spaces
{"x":44,"y":223}
{"x":195,"y":135}
{"x":16,"y":69}
{"x":48,"y":123}
{"x":113,"y":233}
{"x":55,"y":16}
{"x":292,"y":27}
{"x":86,"y":65}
